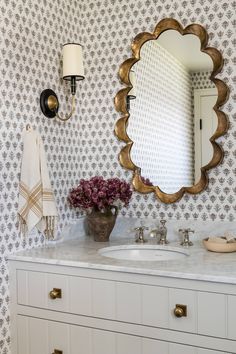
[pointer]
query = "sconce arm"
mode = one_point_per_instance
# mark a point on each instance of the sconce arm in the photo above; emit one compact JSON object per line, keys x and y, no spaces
{"x":67,"y":116}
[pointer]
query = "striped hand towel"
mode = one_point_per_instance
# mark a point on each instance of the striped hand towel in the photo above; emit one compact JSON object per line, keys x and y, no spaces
{"x":36,"y":200}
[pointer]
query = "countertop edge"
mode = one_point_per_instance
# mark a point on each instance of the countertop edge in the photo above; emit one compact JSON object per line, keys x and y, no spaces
{"x":127,"y":269}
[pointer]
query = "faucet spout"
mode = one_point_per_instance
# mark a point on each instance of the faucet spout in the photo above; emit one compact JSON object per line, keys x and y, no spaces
{"x":161,"y":232}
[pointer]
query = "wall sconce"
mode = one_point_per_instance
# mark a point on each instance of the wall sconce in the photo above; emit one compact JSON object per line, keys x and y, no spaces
{"x":73,"y":70}
{"x":132,"y":93}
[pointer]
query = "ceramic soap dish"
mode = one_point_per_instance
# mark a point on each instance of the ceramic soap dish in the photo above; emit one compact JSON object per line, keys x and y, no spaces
{"x":219,"y":244}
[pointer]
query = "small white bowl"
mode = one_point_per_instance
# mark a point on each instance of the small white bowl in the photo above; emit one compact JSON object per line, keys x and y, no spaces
{"x":219,"y":247}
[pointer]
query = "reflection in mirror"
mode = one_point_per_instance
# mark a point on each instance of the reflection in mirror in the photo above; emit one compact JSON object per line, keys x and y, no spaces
{"x":172,"y":117}
{"x":175,"y":86}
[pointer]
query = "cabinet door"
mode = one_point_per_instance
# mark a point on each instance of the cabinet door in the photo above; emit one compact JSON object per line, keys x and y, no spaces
{"x":58,"y":337}
{"x":207,"y":351}
{"x":128,"y":302}
{"x":103,"y":298}
{"x":155,"y":306}
{"x":181,"y":349}
{"x":104,"y":342}
{"x":212,"y":314}
{"x":61,"y":282}
{"x":152,"y":346}
{"x":182,"y":297}
{"x":33,"y":289}
{"x":231,"y":317}
{"x":80,"y":340}
{"x":80,"y":295}
{"x":36,"y":336}
{"x":128,"y":344}
{"x":32,"y":336}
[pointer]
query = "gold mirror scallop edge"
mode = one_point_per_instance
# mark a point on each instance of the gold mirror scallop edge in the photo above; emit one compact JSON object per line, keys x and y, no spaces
{"x":120,"y":104}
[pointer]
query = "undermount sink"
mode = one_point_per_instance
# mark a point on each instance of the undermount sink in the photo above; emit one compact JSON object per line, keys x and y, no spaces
{"x":144,"y":252}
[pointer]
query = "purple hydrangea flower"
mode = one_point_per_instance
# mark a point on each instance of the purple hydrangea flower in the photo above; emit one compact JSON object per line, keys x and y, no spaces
{"x":99,"y":193}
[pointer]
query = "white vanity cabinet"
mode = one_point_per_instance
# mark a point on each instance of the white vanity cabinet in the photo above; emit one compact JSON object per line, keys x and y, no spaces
{"x":59,"y":309}
{"x":39,"y":336}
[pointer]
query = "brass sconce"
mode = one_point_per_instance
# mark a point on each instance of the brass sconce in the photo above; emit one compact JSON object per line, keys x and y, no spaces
{"x":73,"y":70}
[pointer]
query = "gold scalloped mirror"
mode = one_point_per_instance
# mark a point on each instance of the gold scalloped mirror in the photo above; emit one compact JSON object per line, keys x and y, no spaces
{"x":170,"y":109}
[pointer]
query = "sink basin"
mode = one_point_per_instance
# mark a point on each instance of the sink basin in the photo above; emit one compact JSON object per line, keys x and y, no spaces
{"x":144,"y":252}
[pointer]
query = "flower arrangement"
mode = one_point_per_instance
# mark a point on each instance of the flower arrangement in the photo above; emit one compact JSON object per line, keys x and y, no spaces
{"x":100,"y":194}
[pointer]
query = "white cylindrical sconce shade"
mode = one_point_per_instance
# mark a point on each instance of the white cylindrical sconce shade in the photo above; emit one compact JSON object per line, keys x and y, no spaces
{"x":132,"y":79}
{"x":72,"y":61}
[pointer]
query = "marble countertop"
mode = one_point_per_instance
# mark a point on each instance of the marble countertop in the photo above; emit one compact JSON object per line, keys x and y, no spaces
{"x":83,"y":252}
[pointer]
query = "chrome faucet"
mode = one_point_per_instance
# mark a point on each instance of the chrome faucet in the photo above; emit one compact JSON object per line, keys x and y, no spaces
{"x":140,"y":234}
{"x":162,"y":232}
{"x":186,"y":241}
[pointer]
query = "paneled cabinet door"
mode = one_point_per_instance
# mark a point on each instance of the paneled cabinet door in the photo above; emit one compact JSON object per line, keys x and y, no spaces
{"x":128,"y":344}
{"x":152,"y":346}
{"x":181,"y":349}
{"x":33,"y":289}
{"x":36,"y":336}
{"x":207,"y":351}
{"x":103,"y":342}
{"x":32,"y":336}
{"x":212,"y":314}
{"x":80,"y":340}
{"x":183,"y":297}
{"x":231,"y":317}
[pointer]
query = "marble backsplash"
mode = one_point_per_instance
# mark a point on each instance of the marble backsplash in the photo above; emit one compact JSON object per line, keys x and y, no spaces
{"x":125,"y":228}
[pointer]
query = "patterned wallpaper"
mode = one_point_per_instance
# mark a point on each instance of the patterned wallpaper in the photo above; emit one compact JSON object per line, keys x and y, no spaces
{"x":166,"y":156}
{"x":32,"y":33}
{"x":122,"y":21}
{"x":108,"y":29}
{"x":201,"y":80}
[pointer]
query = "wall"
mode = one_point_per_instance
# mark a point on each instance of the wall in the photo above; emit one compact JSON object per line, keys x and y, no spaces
{"x":166,"y":156}
{"x":110,"y":27}
{"x":32,"y":33}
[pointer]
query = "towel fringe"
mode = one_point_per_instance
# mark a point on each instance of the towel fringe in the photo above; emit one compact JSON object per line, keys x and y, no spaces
{"x":49,"y":226}
{"x":23,"y":226}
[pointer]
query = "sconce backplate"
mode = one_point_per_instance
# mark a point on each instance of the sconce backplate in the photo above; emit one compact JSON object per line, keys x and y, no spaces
{"x":49,"y":103}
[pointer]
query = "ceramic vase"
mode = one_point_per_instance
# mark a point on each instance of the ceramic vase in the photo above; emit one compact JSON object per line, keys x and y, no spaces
{"x":100,"y":223}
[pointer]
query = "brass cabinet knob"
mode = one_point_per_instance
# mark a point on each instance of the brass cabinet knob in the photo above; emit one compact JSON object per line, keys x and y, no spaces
{"x":180,"y":310}
{"x":55,"y":293}
{"x":56,"y":351}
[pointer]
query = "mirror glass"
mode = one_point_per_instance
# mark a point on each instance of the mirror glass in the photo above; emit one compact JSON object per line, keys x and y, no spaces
{"x":171,"y":111}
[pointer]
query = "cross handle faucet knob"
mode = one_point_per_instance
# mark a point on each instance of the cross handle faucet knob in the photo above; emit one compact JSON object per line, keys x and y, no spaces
{"x":186,"y":241}
{"x":140,"y":234}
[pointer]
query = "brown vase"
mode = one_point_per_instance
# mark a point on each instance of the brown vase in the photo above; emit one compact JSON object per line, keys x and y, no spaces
{"x":100,"y":223}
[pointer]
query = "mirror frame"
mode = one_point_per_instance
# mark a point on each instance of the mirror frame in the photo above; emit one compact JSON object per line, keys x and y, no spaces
{"x":121,"y":98}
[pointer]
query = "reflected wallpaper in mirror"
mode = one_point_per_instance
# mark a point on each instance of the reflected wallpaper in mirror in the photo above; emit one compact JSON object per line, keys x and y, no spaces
{"x":171,"y":120}
{"x":166,"y":110}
